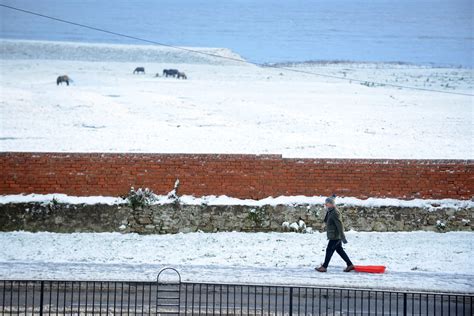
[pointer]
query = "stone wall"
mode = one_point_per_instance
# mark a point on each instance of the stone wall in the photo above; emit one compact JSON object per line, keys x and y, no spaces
{"x":240,"y":176}
{"x":174,"y":218}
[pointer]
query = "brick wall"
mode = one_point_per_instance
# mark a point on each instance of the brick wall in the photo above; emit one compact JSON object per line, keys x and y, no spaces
{"x":243,"y":176}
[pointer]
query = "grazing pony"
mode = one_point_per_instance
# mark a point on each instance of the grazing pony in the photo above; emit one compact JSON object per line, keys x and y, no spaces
{"x":62,"y":79}
{"x":139,"y":70}
{"x":182,"y":75}
{"x":170,"y":72}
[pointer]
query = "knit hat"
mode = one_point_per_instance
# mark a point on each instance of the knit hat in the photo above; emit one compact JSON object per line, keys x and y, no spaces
{"x":331,"y":199}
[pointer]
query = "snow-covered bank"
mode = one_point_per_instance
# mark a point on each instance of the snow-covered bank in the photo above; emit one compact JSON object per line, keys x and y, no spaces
{"x":415,"y":261}
{"x":48,"y":50}
{"x":225,"y":200}
{"x":226,"y":107}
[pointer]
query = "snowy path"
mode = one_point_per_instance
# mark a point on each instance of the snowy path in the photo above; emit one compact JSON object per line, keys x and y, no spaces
{"x":305,"y":276}
{"x":415,"y":261}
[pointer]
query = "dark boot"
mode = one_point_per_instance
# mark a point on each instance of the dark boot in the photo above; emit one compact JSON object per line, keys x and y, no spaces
{"x":321,"y":269}
{"x":349,"y":268}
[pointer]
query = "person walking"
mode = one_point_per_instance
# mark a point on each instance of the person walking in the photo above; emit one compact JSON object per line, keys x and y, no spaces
{"x":336,"y":236}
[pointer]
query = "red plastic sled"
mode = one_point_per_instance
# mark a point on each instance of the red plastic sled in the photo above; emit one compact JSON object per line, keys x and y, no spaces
{"x":370,"y":269}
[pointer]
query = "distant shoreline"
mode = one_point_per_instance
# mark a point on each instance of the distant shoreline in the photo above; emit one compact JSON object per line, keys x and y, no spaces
{"x":6,"y":53}
{"x":426,"y":33}
{"x":396,"y":64}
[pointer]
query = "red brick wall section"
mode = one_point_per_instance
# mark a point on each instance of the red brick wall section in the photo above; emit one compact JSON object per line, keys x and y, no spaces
{"x":242,"y":176}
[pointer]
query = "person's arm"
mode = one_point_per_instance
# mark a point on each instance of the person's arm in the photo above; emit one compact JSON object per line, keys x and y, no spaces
{"x":339,"y":226}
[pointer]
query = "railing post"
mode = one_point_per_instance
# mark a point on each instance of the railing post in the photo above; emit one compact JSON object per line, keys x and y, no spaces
{"x":291,"y":302}
{"x":405,"y":304}
{"x":41,"y":298}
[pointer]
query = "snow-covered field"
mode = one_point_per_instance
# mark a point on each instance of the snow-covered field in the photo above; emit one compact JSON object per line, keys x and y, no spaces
{"x":415,"y":261}
{"x":226,"y":107}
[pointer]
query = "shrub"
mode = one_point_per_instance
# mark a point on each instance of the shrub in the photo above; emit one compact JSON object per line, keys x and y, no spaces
{"x":257,"y":216}
{"x":440,"y":225}
{"x":140,"y":198}
{"x":53,"y":204}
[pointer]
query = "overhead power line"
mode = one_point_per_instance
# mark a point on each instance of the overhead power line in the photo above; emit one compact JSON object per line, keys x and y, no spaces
{"x":226,"y":57}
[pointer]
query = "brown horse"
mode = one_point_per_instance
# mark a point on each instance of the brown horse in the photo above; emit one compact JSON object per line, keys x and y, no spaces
{"x":62,"y":79}
{"x":182,"y":75}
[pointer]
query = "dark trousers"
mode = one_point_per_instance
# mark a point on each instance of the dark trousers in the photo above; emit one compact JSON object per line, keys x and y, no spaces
{"x":335,"y":245}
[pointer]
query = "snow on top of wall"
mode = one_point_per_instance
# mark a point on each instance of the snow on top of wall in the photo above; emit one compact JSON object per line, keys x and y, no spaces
{"x":60,"y":198}
{"x":225,"y":200}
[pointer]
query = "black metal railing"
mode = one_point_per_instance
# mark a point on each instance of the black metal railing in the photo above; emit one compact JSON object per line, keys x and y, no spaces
{"x":186,"y":298}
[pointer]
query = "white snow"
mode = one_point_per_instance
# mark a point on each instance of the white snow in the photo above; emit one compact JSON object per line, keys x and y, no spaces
{"x":308,"y":230}
{"x":301,"y":224}
{"x":60,"y":198}
{"x":294,"y":227}
{"x":225,"y":106}
{"x":415,"y":260}
{"x":225,"y":200}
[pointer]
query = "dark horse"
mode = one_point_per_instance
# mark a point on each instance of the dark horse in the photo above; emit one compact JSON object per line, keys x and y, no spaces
{"x":139,"y":70}
{"x":170,"y":72}
{"x":62,"y":79}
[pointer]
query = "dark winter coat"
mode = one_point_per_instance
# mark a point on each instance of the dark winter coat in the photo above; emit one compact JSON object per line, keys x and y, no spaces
{"x":334,"y":226}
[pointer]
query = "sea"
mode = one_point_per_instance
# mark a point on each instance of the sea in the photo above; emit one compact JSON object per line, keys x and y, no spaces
{"x":435,"y":32}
